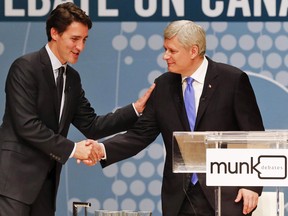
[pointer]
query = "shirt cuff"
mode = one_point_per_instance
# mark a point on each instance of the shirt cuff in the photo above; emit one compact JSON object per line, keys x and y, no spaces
{"x":72,"y":153}
{"x":138,"y":114}
{"x":104,"y":151}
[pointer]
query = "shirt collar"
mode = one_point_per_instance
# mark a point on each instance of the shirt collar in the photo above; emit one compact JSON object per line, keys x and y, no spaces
{"x":54,"y":60}
{"x":200,"y":73}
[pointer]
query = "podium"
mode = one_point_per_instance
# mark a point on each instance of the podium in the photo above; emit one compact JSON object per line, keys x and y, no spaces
{"x":240,"y":158}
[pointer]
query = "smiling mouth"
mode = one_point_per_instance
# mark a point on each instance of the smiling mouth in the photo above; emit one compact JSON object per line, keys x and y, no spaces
{"x":75,"y":53}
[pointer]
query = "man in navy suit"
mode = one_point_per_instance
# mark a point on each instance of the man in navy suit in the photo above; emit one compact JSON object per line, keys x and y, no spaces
{"x":224,"y":101}
{"x":33,"y":143}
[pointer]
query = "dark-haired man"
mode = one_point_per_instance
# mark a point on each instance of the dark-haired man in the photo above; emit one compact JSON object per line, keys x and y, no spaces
{"x":41,"y":103}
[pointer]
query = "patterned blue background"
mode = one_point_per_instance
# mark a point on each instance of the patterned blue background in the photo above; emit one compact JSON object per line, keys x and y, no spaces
{"x":119,"y":63}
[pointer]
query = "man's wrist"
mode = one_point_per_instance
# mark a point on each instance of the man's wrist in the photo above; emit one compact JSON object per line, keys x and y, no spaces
{"x":104,"y":151}
{"x":73,"y":151}
{"x":137,"y":113}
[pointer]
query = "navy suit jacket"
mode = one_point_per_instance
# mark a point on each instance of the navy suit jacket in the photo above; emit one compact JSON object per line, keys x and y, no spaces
{"x":227,"y":103}
{"x":31,"y":136}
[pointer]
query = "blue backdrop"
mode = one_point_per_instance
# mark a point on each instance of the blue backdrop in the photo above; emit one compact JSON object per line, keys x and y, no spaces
{"x":128,"y":56}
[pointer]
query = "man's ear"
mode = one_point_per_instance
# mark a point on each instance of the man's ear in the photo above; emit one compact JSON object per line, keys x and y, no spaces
{"x":54,"y":33}
{"x":194,"y":51}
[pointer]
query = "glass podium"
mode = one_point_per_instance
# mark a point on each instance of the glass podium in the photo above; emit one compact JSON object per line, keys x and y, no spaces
{"x":241,"y":158}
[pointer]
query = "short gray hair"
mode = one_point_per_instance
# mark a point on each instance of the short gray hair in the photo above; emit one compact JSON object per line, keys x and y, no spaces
{"x":188,"y":34}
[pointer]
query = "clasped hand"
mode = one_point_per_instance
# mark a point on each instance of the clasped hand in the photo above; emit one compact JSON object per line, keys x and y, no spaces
{"x":89,"y":152}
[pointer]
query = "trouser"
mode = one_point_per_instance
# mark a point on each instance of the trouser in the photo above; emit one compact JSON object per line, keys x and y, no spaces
{"x":43,"y":205}
{"x":195,"y":203}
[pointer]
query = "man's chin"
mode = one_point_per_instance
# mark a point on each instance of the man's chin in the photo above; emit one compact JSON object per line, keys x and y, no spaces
{"x":73,"y":61}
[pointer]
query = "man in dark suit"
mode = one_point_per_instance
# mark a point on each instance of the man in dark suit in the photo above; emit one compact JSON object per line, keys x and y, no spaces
{"x":33,"y":143}
{"x":224,"y":101}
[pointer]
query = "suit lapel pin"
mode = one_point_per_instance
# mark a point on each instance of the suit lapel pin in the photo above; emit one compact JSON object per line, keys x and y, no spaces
{"x":210,"y":86}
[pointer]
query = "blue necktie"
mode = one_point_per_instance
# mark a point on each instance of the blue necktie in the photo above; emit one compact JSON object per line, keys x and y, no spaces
{"x":189,"y":99}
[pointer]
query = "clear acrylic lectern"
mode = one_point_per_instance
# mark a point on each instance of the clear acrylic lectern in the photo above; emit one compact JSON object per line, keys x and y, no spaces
{"x":266,"y":164}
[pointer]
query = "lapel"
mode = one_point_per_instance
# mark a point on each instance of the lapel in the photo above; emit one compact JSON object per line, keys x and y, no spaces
{"x":177,"y":96}
{"x":210,"y":85}
{"x":49,"y":77}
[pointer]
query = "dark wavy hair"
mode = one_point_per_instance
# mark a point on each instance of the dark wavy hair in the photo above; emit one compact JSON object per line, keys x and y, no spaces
{"x":63,"y":15}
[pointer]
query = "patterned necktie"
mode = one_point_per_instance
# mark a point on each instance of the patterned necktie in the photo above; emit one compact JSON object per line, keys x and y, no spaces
{"x":59,"y":84}
{"x":189,"y":99}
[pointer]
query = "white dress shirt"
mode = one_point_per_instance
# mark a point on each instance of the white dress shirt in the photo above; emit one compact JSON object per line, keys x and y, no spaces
{"x":198,"y":83}
{"x":56,"y":64}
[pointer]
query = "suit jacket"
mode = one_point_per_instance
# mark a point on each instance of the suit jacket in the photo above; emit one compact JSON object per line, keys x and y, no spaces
{"x":227,"y":103}
{"x":31,"y":136}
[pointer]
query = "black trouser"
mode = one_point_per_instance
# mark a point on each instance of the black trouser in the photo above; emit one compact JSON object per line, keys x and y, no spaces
{"x":195,"y":203}
{"x":43,"y":205}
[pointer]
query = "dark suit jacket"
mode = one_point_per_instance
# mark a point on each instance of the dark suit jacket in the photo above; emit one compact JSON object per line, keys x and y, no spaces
{"x":30,"y":136}
{"x":227,"y":104}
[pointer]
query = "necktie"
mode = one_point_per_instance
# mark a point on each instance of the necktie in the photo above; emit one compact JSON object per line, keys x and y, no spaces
{"x":59,"y":84}
{"x":189,"y":99}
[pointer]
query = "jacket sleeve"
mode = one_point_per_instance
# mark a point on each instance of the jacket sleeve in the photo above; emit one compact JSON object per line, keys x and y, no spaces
{"x":96,"y":126}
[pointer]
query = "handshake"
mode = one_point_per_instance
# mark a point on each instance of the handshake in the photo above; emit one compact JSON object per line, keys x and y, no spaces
{"x":89,"y":152}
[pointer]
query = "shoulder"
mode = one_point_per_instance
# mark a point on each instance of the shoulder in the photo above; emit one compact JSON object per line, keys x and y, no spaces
{"x":33,"y":58}
{"x":223,"y":69}
{"x":168,"y":77}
